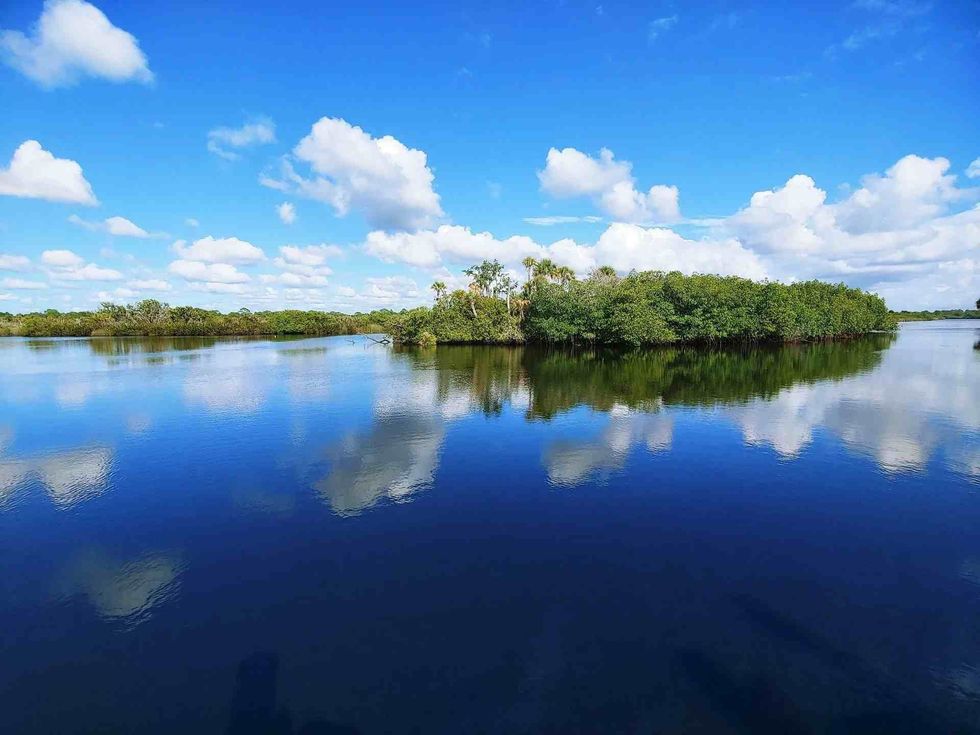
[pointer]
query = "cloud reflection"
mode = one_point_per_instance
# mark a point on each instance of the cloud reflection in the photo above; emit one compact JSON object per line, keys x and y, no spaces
{"x":574,"y":462}
{"x":121,"y":590}
{"x":69,"y":477}
{"x":923,"y":398}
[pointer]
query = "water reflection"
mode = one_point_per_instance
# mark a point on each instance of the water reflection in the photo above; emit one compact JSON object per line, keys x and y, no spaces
{"x":121,"y":590}
{"x":572,"y":462}
{"x":69,"y":476}
{"x":923,"y":397}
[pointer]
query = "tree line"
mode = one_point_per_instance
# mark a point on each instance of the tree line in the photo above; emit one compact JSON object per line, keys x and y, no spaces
{"x":154,"y":318}
{"x":641,"y":308}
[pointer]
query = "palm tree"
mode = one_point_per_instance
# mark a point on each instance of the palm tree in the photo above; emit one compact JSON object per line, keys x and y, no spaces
{"x":507,"y":285}
{"x":440,"y":289}
{"x":544,"y":268}
{"x":530,"y":262}
{"x":564,"y":275}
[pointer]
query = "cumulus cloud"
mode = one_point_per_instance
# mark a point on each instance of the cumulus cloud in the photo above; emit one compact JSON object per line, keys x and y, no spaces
{"x":382,"y":179}
{"x":899,"y":234}
{"x":14,"y":262}
{"x":195,"y":270}
{"x":219,"y":250}
{"x":294,"y":280}
{"x":610,"y":183}
{"x":973,"y":170}
{"x":119,"y":226}
{"x":65,"y":265}
{"x":623,"y":246}
{"x":35,"y":173}
{"x":191,"y":222}
{"x":448,"y":243}
{"x":61,"y":259}
{"x":150,"y":284}
{"x":287,"y":213}
{"x":74,"y":39}
{"x":226,"y":142}
{"x":308,"y":261}
{"x":896,"y":224}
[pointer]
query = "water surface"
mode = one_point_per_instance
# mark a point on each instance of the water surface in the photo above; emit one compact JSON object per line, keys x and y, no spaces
{"x":330,"y":536}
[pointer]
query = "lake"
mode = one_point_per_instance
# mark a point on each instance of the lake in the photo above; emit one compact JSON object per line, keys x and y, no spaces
{"x":334,"y":536}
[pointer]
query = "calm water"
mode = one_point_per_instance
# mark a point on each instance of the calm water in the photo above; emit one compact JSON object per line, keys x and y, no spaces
{"x":327,"y":536}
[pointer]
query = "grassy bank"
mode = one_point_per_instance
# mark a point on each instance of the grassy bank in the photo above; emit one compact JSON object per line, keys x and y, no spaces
{"x":648,"y":308}
{"x":153,"y":318}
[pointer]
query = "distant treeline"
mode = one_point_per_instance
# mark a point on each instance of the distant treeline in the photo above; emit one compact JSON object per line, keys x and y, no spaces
{"x":923,"y":316}
{"x":153,"y":318}
{"x":648,"y":308}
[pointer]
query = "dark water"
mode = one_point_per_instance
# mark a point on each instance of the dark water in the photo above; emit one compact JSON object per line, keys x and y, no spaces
{"x":321,"y":536}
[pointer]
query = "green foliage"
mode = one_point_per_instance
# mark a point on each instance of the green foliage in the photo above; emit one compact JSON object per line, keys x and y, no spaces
{"x":153,"y":318}
{"x":649,"y":308}
{"x":922,"y":316}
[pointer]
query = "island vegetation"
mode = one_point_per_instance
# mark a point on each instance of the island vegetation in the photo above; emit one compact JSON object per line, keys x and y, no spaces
{"x":153,"y":319}
{"x":549,"y":305}
{"x":641,"y":308}
{"x":924,"y":316}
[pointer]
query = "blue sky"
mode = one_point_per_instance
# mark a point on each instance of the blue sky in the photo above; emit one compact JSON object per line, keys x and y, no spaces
{"x":412,"y":140}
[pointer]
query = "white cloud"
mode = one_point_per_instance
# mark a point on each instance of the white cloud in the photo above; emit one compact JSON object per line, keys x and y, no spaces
{"x":14,"y":262}
{"x":151,"y":284}
{"x":73,"y":39}
{"x":448,"y":243}
{"x":218,"y":287}
{"x":309,"y":255}
{"x":610,"y":183}
{"x":192,"y":270}
{"x":191,"y":222}
{"x":381,"y":178}
{"x":912,"y":191}
{"x":307,"y":261}
{"x":287,"y":213}
{"x":64,"y":265}
{"x":124,"y":227}
{"x":560,"y":220}
{"x":119,"y":293}
{"x":622,"y":246}
{"x":625,"y":247}
{"x":88,"y":272}
{"x":224,"y":142}
{"x":22,"y":285}
{"x":61,"y":259}
{"x":659,"y":26}
{"x":973,"y":170}
{"x":119,"y":226}
{"x":894,"y":223}
{"x":219,"y":250}
{"x":34,"y":173}
{"x":294,"y":280}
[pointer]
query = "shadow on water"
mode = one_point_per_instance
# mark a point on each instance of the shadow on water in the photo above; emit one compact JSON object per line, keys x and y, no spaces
{"x":254,"y":703}
{"x":893,"y":707}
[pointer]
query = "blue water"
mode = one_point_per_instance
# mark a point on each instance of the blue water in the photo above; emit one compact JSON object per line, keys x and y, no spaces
{"x":333,"y":536}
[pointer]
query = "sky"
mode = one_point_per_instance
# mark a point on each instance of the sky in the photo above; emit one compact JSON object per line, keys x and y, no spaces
{"x":345,"y":156}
